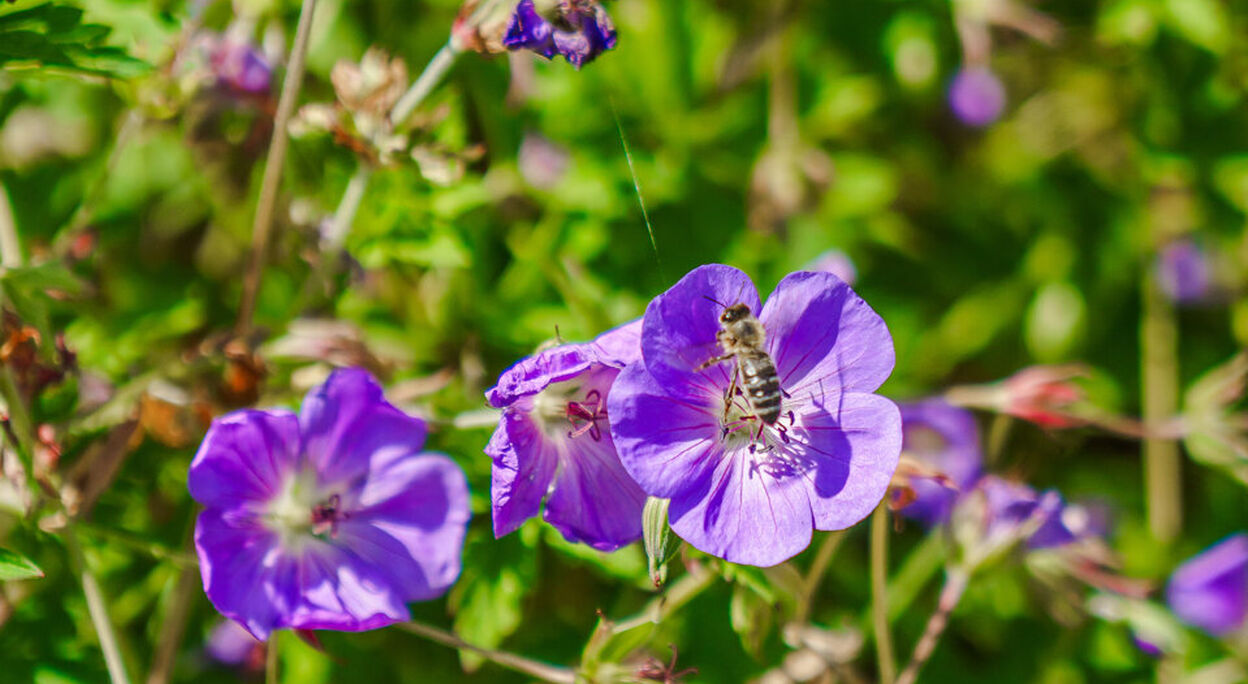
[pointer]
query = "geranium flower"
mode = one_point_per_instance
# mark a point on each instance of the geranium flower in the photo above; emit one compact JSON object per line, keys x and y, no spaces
{"x":553,"y":442}
{"x":741,"y":489}
{"x":330,"y":519}
{"x":580,"y":30}
{"x":1210,"y":590}
{"x":976,"y":96}
{"x":944,"y":440}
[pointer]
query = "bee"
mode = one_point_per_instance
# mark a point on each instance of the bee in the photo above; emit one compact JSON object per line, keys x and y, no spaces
{"x":740,"y":337}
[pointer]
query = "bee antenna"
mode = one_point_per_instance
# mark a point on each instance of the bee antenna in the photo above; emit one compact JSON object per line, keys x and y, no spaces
{"x":712,"y":299}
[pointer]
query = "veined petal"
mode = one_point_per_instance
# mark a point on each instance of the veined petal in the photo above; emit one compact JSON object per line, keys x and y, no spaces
{"x":619,"y":346}
{"x":680,"y":325}
{"x":238,"y":561}
{"x":522,"y":471}
{"x":244,"y":458}
{"x":824,"y":338}
{"x":741,"y":513}
{"x":535,"y":373}
{"x":594,"y":500}
{"x":665,"y":443}
{"x":349,"y":429}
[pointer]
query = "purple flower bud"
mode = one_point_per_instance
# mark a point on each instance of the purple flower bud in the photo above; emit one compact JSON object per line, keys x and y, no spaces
{"x":554,"y":442}
{"x":330,"y":519}
{"x":977,"y":96}
{"x":944,"y":439}
{"x":579,"y":30}
{"x":1183,"y":272}
{"x":837,"y":263}
{"x":752,"y":467}
{"x":1210,"y":590}
{"x":241,"y":67}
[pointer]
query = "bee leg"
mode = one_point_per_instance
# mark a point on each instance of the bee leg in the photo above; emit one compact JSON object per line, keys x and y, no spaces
{"x":712,"y":361}
{"x":733,"y":390}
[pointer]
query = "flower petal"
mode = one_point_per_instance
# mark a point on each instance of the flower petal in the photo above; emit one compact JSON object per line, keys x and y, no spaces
{"x":619,"y":346}
{"x":680,"y":325}
{"x":237,"y":558}
{"x":533,"y":374}
{"x":522,"y":471}
{"x":824,"y":338}
{"x":854,"y":445}
{"x":741,"y":513}
{"x":665,"y":443}
{"x":350,"y":429}
{"x":244,"y":458}
{"x":594,"y":500}
{"x":412,"y":525}
{"x":1210,"y":590}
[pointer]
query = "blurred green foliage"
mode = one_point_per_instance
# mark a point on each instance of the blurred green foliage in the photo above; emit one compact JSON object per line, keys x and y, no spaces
{"x":761,"y":134}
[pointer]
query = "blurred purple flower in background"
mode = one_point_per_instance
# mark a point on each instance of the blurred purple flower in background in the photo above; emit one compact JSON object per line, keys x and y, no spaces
{"x":542,"y":162}
{"x":944,"y":440}
{"x":837,"y":263}
{"x":1210,"y":590}
{"x":580,"y":30}
{"x":740,"y":489}
{"x":231,"y":644}
{"x":553,"y":441}
{"x":977,"y":96}
{"x":330,"y":519}
{"x":240,"y":67}
{"x":1183,"y":272}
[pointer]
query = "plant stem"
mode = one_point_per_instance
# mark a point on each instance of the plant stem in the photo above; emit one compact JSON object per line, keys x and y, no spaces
{"x":810,"y":584}
{"x":956,"y":579}
{"x":347,"y":207}
{"x":533,"y":668}
{"x":10,"y":246}
{"x":879,"y":594}
{"x":1159,"y":384}
{"x":97,"y":607}
{"x":271,"y":674}
{"x":173,"y":627}
{"x":273,"y":166}
{"x":677,"y":595}
{"x":433,"y":73}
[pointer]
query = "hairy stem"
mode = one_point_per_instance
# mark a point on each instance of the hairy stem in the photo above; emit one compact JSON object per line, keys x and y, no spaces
{"x":956,"y":579}
{"x":1159,"y":384}
{"x":273,"y":166}
{"x":433,"y":73}
{"x":97,"y":607}
{"x":879,"y":594}
{"x":511,"y":661}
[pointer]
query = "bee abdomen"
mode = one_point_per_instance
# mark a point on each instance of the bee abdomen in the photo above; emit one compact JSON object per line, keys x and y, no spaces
{"x":762,"y":386}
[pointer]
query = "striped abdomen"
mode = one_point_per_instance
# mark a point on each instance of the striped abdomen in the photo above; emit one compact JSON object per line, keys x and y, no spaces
{"x":762,"y":387}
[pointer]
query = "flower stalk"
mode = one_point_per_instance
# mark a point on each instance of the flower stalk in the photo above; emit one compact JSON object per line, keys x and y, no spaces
{"x":879,"y":594}
{"x":97,"y":607}
{"x":511,"y":661}
{"x":262,"y":226}
{"x":1159,"y":385}
{"x":956,"y":579}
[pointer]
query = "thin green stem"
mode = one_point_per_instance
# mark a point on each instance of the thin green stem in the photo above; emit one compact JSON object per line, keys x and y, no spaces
{"x":10,"y":246}
{"x":955,"y":585}
{"x":679,"y":593}
{"x":97,"y":607}
{"x":273,"y":166}
{"x":810,"y":584}
{"x":511,"y":661}
{"x":1160,"y":387}
{"x":425,"y":83}
{"x":879,"y":594}
{"x":271,"y":664}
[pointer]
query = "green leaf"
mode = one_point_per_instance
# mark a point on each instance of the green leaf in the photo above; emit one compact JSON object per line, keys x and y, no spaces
{"x":54,"y":37}
{"x":15,"y":566}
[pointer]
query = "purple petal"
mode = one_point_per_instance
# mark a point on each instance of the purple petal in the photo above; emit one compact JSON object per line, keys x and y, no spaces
{"x":824,"y":338}
{"x":1183,"y":272}
{"x":664,"y":442}
{"x":349,"y":428}
{"x":619,"y":346}
{"x":977,"y":96}
{"x":412,"y":525}
{"x":528,"y":30}
{"x":231,"y":644}
{"x":854,"y":449}
{"x":741,"y":513}
{"x":244,"y":458}
{"x":535,"y":373}
{"x":594,"y":500}
{"x":522,"y":471}
{"x":679,"y":328}
{"x":1210,"y":590}
{"x":944,"y":438}
{"x":237,"y":560}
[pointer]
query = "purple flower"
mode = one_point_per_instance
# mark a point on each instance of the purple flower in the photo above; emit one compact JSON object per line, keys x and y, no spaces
{"x":1183,"y":272}
{"x":741,"y":489}
{"x":241,"y":68}
{"x":945,"y":439}
{"x":231,"y":644}
{"x":553,"y":441}
{"x":579,"y":30}
{"x":977,"y":96}
{"x":837,"y":263}
{"x":1210,"y":590}
{"x":330,"y":519}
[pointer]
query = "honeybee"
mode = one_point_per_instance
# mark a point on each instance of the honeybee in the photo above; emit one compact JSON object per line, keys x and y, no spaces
{"x":740,"y":337}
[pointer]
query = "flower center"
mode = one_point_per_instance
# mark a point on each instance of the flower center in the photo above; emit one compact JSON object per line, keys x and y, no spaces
{"x":304,"y":509}
{"x":741,"y":428}
{"x":566,"y":408}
